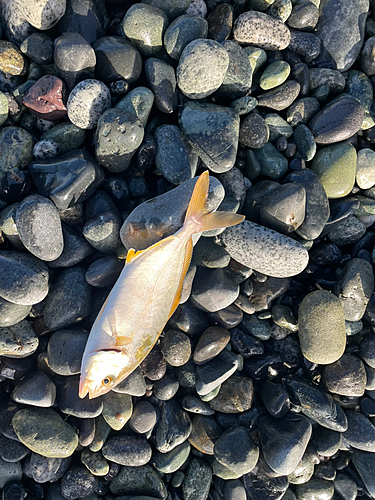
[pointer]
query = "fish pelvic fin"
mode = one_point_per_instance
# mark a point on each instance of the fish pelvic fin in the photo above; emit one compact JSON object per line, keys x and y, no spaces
{"x":197,"y":212}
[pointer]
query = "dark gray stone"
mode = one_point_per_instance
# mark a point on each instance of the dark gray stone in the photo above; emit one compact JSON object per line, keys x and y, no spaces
{"x":304,"y":141}
{"x":182,"y":31}
{"x":131,"y":451}
{"x":213,"y":289}
{"x":304,"y":16}
{"x":18,"y":341}
{"x":43,"y":470}
{"x":165,"y":388}
{"x":236,"y":450}
{"x":39,"y":47}
{"x":11,"y":314}
{"x":360,"y":433}
{"x":176,"y":347}
{"x":238,"y":78}
{"x":213,"y":373}
{"x":75,"y":249}
{"x":137,"y":481}
{"x":280,"y":97}
{"x":254,"y":132}
{"x":65,"y":350}
{"x":171,"y":461}
{"x":302,"y":110}
{"x":36,"y":389}
{"x":173,"y":426}
{"x":70,"y":403}
{"x":161,"y":78}
{"x":143,"y":418}
{"x":346,"y":377}
{"x":196,"y":484}
{"x":103,"y":232}
{"x":104,"y":272}
{"x":306,"y":45}
{"x":12,"y":451}
{"x":77,"y":483}
{"x":364,"y":462}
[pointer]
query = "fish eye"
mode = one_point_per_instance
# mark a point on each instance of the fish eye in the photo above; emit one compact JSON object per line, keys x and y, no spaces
{"x":107,"y":380}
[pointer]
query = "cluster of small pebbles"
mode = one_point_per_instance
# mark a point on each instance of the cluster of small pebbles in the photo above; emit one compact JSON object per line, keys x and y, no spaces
{"x":262,"y":385}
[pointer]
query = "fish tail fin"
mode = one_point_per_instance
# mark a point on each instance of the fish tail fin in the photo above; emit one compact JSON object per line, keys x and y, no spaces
{"x":198,"y":214}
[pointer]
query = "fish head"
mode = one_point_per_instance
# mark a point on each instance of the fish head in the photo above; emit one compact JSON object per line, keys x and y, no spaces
{"x":100,"y":372}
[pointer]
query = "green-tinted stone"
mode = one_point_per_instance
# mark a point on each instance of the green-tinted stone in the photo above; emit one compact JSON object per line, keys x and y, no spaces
{"x":280,"y":9}
{"x":252,"y":165}
{"x":139,"y":102}
{"x":16,"y":149}
{"x":95,"y":462}
{"x":257,"y":57}
{"x":244,"y":105}
{"x":9,"y":472}
{"x":173,"y":8}
{"x":102,"y":430}
{"x":12,"y":61}
{"x":182,"y":31}
{"x":67,"y":135}
{"x":305,"y":142}
{"x":321,"y":327}
{"x":273,"y":163}
{"x":358,"y":85}
{"x":117,"y":409}
{"x":43,"y":431}
{"x":223,"y":472}
{"x":335,"y":166}
{"x":211,"y":395}
{"x":197,"y":482}
{"x":365,"y":175}
{"x":4,"y":108}
{"x":172,"y":460}
{"x":278,"y":127}
{"x":145,"y":25}
{"x":368,"y":120}
{"x":275,"y":74}
{"x":135,"y":481}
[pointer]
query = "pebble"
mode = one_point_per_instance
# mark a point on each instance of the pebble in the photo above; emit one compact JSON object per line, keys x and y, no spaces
{"x":102,"y":232}
{"x":67,"y":303}
{"x":77,"y":483}
{"x":210,"y":344}
{"x":138,"y":102}
{"x":209,"y":254}
{"x":197,"y":480}
{"x":321,"y":312}
{"x":171,"y":461}
{"x":280,"y":97}
{"x":11,"y":314}
{"x":127,"y":450}
{"x":274,"y":75}
{"x":220,"y":22}
{"x":346,"y":377}
{"x":18,"y":341}
{"x":42,"y":240}
{"x":204,"y":433}
{"x":12,"y":451}
{"x":143,"y":418}
{"x":261,"y":30}
{"x":36,"y":390}
{"x":44,"y":469}
{"x":302,"y":110}
{"x":365,"y":168}
{"x":71,"y":404}
{"x":304,"y":16}
{"x":336,"y":168}
{"x":338,"y":121}
{"x":235,"y":395}
{"x":116,"y":59}
{"x":145,"y":25}
{"x":165,"y":388}
{"x":9,"y":472}
{"x":197,"y":8}
{"x":95,"y":463}
{"x":213,"y":289}
{"x":238,"y":77}
{"x":182,"y":31}
{"x":154,"y":365}
{"x":173,"y":426}
{"x":55,"y":437}
{"x":236,"y":450}
{"x":118,"y":136}
{"x":65,"y":350}
{"x":142,"y":480}
{"x":270,"y":253}
{"x":170,"y":218}
{"x":284,"y":441}
{"x":194,"y":404}
{"x":275,"y":398}
{"x":278,"y":127}
{"x":360,"y":433}
{"x":365,"y":465}
{"x":315,"y":488}
{"x":87,"y":102}
{"x":254,"y":131}
{"x":305,"y":143}
{"x":176,"y":347}
{"x":348,"y":231}
{"x":12,"y":61}
{"x":213,"y":373}
{"x":39,"y":47}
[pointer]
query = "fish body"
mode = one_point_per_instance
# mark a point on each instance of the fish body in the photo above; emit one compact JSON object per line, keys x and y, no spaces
{"x":144,"y":297}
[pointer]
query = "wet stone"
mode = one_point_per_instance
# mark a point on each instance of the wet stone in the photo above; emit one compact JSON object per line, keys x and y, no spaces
{"x":204,"y":433}
{"x":162,"y":80}
{"x":102,"y":232}
{"x":11,"y":314}
{"x":145,"y":25}
{"x":74,"y":58}
{"x":44,"y":469}
{"x":210,"y":344}
{"x":304,"y":16}
{"x":43,"y":240}
{"x":206,"y":125}
{"x":18,"y":341}
{"x":46,"y":98}
{"x":176,"y":347}
{"x":236,"y":450}
{"x":56,"y":438}
{"x":259,"y":29}
{"x":173,"y":426}
{"x":127,"y":450}
{"x":78,"y":482}
{"x":281,"y":97}
{"x":68,"y":300}
{"x":36,"y":390}
{"x":202,"y":68}
{"x":116,"y":59}
{"x":254,"y":132}
{"x":138,"y":102}
{"x":171,"y":461}
{"x":174,"y":157}
{"x":235,"y":395}
{"x":64,"y":351}
{"x":270,"y":252}
{"x":197,"y":481}
{"x":87,"y":102}
{"x":143,"y":418}
{"x":182,"y":31}
{"x":275,"y":398}
{"x":135,"y":481}
{"x":284,"y":441}
{"x":220,"y":22}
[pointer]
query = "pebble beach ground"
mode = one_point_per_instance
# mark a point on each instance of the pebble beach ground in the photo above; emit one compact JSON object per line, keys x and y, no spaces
{"x":262,"y":386}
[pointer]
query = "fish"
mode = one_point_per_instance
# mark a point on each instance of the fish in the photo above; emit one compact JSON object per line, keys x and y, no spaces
{"x":144,"y":297}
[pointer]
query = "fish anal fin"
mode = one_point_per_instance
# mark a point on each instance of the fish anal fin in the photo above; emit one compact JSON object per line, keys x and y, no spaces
{"x":185,"y":267}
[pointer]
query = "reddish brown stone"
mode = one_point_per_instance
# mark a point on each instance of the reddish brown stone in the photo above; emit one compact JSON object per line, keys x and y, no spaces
{"x":47,"y":98}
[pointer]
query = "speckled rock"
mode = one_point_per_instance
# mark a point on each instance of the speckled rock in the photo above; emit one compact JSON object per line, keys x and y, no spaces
{"x":18,"y":341}
{"x":270,"y":252}
{"x":196,"y":484}
{"x":136,"y":481}
{"x":261,"y":30}
{"x":43,"y":469}
{"x":87,"y":102}
{"x":45,"y":432}
{"x":321,"y":327}
{"x":201,"y":68}
{"x":347,"y":376}
{"x":12,"y":61}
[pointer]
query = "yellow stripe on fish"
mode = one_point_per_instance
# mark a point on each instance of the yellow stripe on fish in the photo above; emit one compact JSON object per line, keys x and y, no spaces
{"x":144,"y":297}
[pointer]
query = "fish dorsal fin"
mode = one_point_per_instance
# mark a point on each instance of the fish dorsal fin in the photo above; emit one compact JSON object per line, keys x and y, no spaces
{"x":185,"y":267}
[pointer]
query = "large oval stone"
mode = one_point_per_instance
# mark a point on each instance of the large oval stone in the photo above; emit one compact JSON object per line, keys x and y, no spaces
{"x":45,"y":432}
{"x":321,"y":328}
{"x":264,"y":250}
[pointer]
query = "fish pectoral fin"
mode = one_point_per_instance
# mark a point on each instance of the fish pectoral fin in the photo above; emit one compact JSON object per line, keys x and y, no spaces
{"x":123,"y":341}
{"x":132,"y":254}
{"x":185,"y":267}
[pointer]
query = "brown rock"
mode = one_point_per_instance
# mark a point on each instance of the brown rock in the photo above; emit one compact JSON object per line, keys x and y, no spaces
{"x":47,"y":98}
{"x":204,"y":433}
{"x":12,"y":61}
